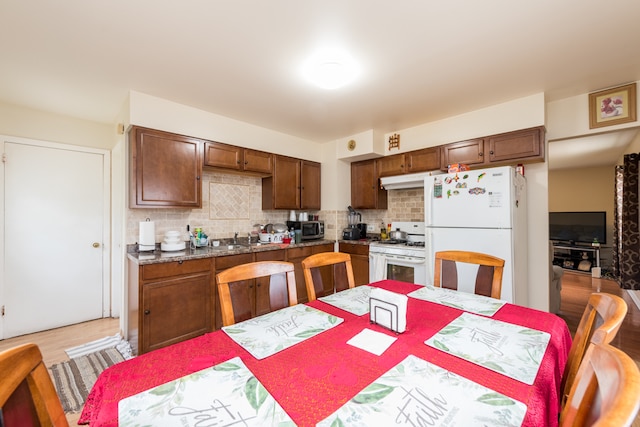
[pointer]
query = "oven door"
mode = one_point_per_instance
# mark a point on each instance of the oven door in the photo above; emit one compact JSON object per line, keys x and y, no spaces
{"x":398,"y":267}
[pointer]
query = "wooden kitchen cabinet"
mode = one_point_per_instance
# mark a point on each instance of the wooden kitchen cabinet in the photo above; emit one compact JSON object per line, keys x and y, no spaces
{"x":296,"y":255}
{"x":366,"y":192}
{"x":294,"y":184}
{"x":359,"y":261}
{"x":219,"y":155}
{"x":391,"y":165}
{"x":469,"y":152}
{"x":165,"y":169}
{"x":425,"y":160}
{"x":522,"y":146}
{"x":169,"y":302}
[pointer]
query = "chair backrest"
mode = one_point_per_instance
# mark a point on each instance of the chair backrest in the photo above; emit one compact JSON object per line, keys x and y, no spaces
{"x":27,"y":394}
{"x":236,"y":296}
{"x":488,"y":279}
{"x":599,"y":324}
{"x":341,"y":279}
{"x":606,"y":392}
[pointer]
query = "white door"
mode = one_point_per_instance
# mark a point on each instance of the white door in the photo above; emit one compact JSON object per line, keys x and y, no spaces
{"x":54,"y":228}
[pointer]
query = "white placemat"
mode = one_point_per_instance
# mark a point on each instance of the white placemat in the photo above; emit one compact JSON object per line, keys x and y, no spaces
{"x":354,"y":300}
{"x":466,"y":301}
{"x":268,"y":334}
{"x":223,"y":395}
{"x":512,"y":350}
{"x":416,"y":392}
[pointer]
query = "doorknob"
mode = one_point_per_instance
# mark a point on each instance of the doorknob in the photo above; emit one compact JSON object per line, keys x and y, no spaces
{"x":96,"y":245}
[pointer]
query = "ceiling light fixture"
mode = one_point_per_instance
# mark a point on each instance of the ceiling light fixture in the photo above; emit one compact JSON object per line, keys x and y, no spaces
{"x":330,"y":69}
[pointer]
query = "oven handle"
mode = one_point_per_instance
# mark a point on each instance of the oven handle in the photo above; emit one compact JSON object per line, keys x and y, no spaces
{"x":409,"y":260}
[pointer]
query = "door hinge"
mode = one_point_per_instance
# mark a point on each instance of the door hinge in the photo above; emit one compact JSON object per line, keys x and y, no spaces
{"x":4,"y":157}
{"x":2,"y":311}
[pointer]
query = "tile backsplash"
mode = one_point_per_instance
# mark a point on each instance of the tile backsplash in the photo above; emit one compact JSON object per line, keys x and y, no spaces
{"x":233,"y":202}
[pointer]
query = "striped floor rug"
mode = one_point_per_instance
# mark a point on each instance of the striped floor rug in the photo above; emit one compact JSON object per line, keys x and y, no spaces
{"x":73,"y":379}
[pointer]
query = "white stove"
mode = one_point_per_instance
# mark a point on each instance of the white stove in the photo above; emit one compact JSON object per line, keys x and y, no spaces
{"x":398,"y":260}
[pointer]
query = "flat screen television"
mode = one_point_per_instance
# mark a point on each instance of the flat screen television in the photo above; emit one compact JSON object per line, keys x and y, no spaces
{"x":578,"y":227}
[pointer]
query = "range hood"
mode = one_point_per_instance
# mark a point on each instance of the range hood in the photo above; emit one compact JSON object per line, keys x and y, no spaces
{"x":410,"y":180}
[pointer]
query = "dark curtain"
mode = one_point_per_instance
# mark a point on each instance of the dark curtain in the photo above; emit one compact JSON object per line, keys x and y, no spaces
{"x":626,"y":230}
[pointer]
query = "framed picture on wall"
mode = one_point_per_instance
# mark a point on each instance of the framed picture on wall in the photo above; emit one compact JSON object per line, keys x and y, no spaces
{"x":612,"y":106}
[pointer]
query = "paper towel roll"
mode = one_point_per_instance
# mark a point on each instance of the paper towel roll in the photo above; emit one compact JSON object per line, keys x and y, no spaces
{"x":147,"y":240}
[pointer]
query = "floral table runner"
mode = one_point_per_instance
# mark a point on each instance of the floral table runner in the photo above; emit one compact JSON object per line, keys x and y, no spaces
{"x":224,"y":395}
{"x":354,"y":300}
{"x":268,"y":334}
{"x":511,"y":350}
{"x":416,"y":392}
{"x":466,"y":301}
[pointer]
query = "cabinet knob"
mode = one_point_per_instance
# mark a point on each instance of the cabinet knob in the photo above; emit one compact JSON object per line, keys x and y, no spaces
{"x":180,"y":262}
{"x":147,"y":312}
{"x":481,"y":154}
{"x":491,"y":152}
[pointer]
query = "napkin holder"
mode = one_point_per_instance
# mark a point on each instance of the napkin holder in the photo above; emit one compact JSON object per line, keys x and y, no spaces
{"x":388,"y":309}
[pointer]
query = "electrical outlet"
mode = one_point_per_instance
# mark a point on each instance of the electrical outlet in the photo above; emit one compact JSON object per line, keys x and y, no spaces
{"x":369,"y":228}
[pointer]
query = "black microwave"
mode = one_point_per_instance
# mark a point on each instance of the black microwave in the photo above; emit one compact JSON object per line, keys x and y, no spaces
{"x":310,"y":230}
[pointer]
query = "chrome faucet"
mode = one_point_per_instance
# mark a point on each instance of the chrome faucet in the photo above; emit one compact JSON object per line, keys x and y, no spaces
{"x":235,"y":238}
{"x":249,"y":239}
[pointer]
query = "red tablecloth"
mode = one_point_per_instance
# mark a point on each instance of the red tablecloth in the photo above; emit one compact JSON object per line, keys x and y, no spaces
{"x":313,"y":379}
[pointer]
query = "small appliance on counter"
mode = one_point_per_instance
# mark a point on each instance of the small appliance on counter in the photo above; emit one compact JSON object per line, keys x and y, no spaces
{"x":309,"y":230}
{"x":363,"y":230}
{"x":352,"y":232}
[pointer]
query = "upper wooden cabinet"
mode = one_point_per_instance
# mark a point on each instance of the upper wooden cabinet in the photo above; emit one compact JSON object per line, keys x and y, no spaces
{"x":294,"y":184}
{"x":468,"y":152}
{"x":217,"y":154}
{"x":391,"y":165}
{"x":425,"y":160}
{"x":366,"y":192}
{"x":525,"y":145}
{"x":165,"y":169}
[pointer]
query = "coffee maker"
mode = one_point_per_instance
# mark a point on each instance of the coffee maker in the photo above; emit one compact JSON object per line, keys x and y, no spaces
{"x":352,"y":232}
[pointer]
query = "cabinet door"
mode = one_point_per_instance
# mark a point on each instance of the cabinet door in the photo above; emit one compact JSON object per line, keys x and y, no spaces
{"x":365,"y":191}
{"x":221,"y":155}
{"x":175,"y":310}
{"x":359,"y":261}
{"x":391,"y":165}
{"x":263,"y":297}
{"x":468,"y":152}
{"x":527,"y":144}
{"x":282,"y":189}
{"x":296,"y":255}
{"x":424,"y":160}
{"x":310,"y":185}
{"x":165,"y":169}
{"x":258,"y":161}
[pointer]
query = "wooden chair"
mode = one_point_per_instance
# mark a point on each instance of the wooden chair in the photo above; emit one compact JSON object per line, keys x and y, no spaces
{"x":488,"y":279}
{"x":27,"y":394}
{"x":325,"y":284}
{"x":606,"y":392}
{"x":599,"y":324}
{"x":237,"y":289}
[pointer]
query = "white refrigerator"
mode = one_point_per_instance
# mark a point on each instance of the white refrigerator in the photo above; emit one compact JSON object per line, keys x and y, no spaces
{"x":482,"y":210}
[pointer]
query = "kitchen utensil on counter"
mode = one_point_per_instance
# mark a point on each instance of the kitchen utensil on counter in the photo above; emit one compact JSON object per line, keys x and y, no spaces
{"x":147,"y":238}
{"x":280,"y":228}
{"x":400,"y":236}
{"x":172,"y":242}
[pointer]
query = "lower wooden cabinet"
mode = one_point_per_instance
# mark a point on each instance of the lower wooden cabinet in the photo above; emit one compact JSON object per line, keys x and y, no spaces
{"x":359,"y":261}
{"x":169,"y":302}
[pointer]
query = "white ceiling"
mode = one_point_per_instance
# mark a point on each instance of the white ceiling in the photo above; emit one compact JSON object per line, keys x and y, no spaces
{"x":421,"y":60}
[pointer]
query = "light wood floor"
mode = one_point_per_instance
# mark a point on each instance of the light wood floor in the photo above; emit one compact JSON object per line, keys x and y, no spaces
{"x":576,"y":288}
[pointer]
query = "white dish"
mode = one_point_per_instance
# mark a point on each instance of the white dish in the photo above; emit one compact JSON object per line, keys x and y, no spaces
{"x":180,"y":246}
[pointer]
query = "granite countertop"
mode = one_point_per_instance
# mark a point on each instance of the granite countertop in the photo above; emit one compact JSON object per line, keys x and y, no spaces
{"x":157,"y":256}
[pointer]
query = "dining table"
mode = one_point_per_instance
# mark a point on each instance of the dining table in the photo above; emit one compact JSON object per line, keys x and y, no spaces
{"x":314,"y":378}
